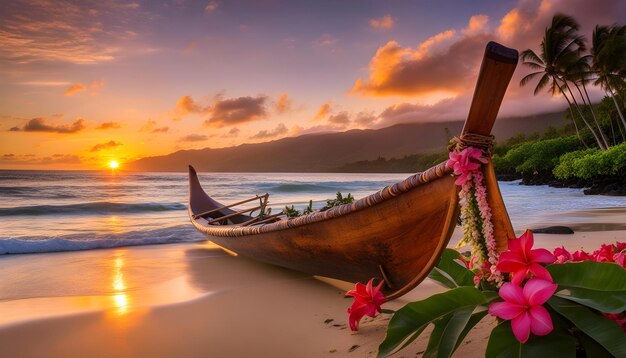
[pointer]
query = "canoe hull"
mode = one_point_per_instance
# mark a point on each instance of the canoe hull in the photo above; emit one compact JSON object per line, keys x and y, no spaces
{"x":397,"y":240}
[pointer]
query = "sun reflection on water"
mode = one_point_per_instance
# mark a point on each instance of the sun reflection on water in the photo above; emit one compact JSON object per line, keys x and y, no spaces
{"x":120,"y":298}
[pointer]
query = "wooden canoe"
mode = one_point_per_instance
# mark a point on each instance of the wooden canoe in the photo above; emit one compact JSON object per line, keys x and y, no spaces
{"x":395,"y":235}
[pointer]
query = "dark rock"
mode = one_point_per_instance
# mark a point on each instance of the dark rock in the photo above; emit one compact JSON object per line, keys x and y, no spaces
{"x":558,"y":230}
{"x":353,"y":348}
{"x":328,"y":320}
{"x":508,"y":177}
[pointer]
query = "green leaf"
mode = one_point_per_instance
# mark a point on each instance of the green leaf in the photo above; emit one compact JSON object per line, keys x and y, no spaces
{"x":603,"y":301}
{"x":592,"y":348}
{"x":415,"y":316}
{"x":604,"y":331}
{"x":446,"y":333}
{"x":451,"y":273}
{"x":591,"y":275}
{"x":478,"y":315}
{"x":503,"y":344}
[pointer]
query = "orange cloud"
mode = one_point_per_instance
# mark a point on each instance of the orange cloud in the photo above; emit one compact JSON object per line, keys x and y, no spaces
{"x":73,"y":32}
{"x":161,"y":130}
{"x":365,"y":119}
{"x":477,"y":23}
{"x":103,"y":146}
{"x":383,"y":23}
{"x":79,"y":87}
{"x":151,"y":126}
{"x":264,"y":134}
{"x":187,"y":105}
{"x":27,"y":159}
{"x":340,"y":120}
{"x":194,"y":138}
{"x":75,"y":88}
{"x":233,"y":132}
{"x":108,"y":125}
{"x":324,"y":111}
{"x":283,"y":104}
{"x":40,"y":125}
{"x":234,"y":111}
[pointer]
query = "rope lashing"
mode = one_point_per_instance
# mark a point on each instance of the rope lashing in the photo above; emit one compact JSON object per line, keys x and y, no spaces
{"x":471,"y":140}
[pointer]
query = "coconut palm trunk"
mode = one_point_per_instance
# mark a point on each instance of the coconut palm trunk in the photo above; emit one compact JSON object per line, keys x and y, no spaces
{"x":619,"y":111}
{"x":595,"y":135}
{"x":593,"y":113}
{"x":571,"y":111}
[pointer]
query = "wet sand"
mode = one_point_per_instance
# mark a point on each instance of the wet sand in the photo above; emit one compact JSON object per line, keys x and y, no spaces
{"x":194,"y":300}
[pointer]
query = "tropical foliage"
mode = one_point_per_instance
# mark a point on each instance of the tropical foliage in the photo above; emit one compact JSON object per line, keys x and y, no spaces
{"x":292,"y":212}
{"x":563,"y":67}
{"x":590,"y":163}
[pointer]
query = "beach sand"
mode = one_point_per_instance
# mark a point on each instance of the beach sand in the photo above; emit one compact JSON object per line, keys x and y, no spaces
{"x":194,"y":300}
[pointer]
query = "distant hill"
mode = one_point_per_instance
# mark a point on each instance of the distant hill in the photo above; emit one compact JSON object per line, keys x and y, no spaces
{"x":328,"y":151}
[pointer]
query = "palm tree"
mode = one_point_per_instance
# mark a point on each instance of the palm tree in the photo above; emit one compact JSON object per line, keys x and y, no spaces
{"x":580,"y":74}
{"x":608,"y":55}
{"x":560,"y":48}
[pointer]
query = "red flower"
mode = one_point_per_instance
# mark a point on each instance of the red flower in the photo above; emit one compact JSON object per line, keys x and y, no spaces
{"x":604,"y":253}
{"x":562,"y":255}
{"x":520,"y":259}
{"x":581,"y":255}
{"x":367,"y":301}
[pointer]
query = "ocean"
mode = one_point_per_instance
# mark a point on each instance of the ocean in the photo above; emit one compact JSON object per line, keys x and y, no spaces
{"x":47,"y":211}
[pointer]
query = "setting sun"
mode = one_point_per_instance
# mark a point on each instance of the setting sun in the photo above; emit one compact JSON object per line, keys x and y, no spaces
{"x":114,"y":164}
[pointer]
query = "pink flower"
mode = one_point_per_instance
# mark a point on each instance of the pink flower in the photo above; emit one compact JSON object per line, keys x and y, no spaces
{"x":562,"y":255}
{"x":465,"y":162}
{"x":367,"y":301}
{"x":621,"y":246}
{"x":581,"y":255}
{"x":524,"y":308}
{"x":520,"y":259}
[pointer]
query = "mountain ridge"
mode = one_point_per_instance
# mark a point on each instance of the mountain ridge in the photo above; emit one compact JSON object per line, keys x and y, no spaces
{"x":322,"y":152}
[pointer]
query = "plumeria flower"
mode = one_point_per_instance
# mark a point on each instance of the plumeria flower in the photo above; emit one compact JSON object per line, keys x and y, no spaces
{"x":562,"y":255}
{"x":604,"y":253}
{"x":523,"y":306}
{"x":581,"y":255}
{"x":521,"y":259}
{"x":367,"y":301}
{"x":465,"y":162}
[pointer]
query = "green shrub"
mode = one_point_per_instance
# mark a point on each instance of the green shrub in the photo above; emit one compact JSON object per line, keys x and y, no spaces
{"x":339,"y":200}
{"x":590,"y":163}
{"x":539,"y":156}
{"x":291,"y":212}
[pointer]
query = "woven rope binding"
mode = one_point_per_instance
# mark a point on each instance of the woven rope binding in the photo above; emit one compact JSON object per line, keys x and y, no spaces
{"x":471,"y":140}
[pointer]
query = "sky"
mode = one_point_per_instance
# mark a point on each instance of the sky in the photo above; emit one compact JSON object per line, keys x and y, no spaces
{"x":86,"y":82}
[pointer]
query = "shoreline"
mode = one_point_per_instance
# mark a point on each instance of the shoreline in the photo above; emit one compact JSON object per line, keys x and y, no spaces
{"x":608,"y":186}
{"x":193,"y":299}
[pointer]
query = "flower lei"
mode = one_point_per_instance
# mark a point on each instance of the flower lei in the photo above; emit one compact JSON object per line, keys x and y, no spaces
{"x":475,"y":211}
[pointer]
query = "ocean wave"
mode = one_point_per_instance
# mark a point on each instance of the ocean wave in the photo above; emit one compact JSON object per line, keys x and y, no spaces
{"x":77,"y":242}
{"x":102,"y":207}
{"x":292,"y":188}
